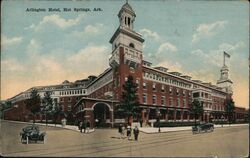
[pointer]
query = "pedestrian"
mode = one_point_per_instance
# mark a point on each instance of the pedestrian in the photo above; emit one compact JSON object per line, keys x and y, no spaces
{"x":120,"y":130}
{"x":136,"y":133}
{"x":88,"y":126}
{"x":80,"y":126}
{"x":84,"y":126}
{"x":129,"y":132}
{"x":123,"y":131}
{"x":141,"y":122}
{"x":96,"y":122}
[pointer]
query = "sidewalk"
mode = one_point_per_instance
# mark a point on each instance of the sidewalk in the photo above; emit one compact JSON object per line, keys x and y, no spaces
{"x":69,"y":127}
{"x":151,"y":130}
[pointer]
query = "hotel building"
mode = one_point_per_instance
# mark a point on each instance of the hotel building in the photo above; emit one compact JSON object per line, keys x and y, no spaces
{"x":159,"y":89}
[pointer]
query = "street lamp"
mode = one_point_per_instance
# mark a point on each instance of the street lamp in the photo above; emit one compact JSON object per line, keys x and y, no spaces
{"x":158,"y":120}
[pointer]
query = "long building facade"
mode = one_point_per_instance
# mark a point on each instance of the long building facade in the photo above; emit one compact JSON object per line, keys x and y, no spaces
{"x":161,"y":93}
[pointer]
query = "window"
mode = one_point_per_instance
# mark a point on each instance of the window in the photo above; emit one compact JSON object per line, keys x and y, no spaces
{"x":69,"y":99}
{"x":154,"y":89}
{"x":144,"y":85}
{"x":132,"y":45}
{"x":178,"y":102}
{"x":184,"y":103}
{"x":154,"y":99}
{"x":69,"y":107}
{"x":145,"y":98}
{"x":61,"y":99}
{"x":184,"y":93}
{"x":162,"y":88}
{"x":162,"y":100}
{"x":170,"y":90}
{"x":171,"y":101}
{"x":137,"y":82}
{"x":177,"y":92}
{"x":196,"y":94}
{"x":128,"y":21}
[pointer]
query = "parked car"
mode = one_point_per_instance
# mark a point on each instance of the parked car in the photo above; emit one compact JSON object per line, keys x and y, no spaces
{"x":31,"y":133}
{"x":203,"y":128}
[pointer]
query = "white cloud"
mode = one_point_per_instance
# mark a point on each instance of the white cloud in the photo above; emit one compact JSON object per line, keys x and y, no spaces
{"x":34,"y":47}
{"x":93,"y":29}
{"x":172,"y":66}
{"x":59,"y":21}
{"x":91,"y":55}
{"x":230,"y":47}
{"x":10,"y":41}
{"x":11,"y":65}
{"x":150,"y":34}
{"x":207,"y":30}
{"x":30,"y":27}
{"x":167,"y":47}
{"x":215,"y":57}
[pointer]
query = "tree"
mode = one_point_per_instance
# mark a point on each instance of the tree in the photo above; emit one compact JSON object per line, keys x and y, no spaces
{"x":196,"y":109}
{"x":33,"y":103}
{"x":229,"y":108}
{"x":129,"y":104}
{"x":47,"y":103}
{"x":3,"y":106}
{"x":56,"y":110}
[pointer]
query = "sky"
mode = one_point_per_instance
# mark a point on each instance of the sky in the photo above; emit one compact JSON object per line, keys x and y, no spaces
{"x":46,"y":48}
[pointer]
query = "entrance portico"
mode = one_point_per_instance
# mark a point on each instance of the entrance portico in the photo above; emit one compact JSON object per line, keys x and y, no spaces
{"x":98,"y":112}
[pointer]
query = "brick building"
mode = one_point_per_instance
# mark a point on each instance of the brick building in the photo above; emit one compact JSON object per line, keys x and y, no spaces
{"x":160,"y":91}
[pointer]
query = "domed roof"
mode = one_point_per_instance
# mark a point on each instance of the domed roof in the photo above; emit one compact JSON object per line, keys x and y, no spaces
{"x":128,"y":8}
{"x":224,"y":67}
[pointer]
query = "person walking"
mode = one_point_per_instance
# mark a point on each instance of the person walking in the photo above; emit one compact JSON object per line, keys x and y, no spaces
{"x":84,"y":126}
{"x":88,"y":126}
{"x":141,"y":122}
{"x":129,"y":132}
{"x":120,"y":130}
{"x":136,"y":133}
{"x":123,"y":131}
{"x":80,"y":126}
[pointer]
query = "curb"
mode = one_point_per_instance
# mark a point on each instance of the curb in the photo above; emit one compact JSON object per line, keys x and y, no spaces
{"x":49,"y":125}
{"x":236,"y":125}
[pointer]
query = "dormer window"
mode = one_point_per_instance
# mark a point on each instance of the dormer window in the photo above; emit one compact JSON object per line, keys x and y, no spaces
{"x":132,"y":45}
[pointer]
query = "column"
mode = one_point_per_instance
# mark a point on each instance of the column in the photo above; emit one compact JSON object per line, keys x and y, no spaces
{"x":90,"y":113}
{"x":182,"y":112}
{"x":166,"y":115}
{"x":175,"y":115}
{"x":188,"y":116}
{"x":143,"y":115}
{"x":111,"y":117}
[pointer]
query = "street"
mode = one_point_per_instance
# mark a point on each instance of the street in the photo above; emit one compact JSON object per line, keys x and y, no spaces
{"x":223,"y":142}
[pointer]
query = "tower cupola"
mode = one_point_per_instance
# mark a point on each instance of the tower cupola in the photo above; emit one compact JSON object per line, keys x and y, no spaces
{"x":127,"y":16}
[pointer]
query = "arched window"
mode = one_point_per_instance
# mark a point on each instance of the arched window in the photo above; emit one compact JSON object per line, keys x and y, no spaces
{"x":132,"y":45}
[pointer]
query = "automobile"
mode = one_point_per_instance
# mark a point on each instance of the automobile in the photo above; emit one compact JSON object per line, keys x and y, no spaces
{"x":203,"y":128}
{"x":31,"y":133}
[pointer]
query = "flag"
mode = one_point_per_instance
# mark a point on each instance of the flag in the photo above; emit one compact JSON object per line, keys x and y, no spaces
{"x":226,"y":54}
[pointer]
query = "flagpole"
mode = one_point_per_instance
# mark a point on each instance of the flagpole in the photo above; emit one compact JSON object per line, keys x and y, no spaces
{"x":224,"y":59}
